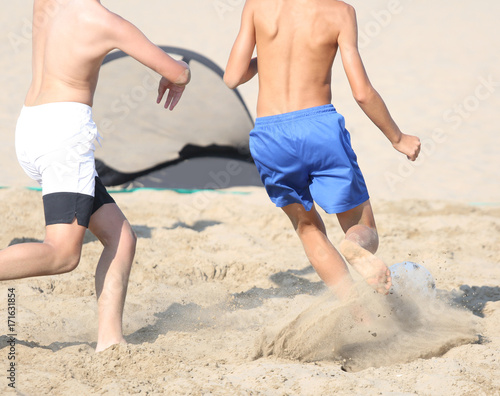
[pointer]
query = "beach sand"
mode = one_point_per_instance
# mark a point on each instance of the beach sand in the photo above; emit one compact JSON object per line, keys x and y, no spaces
{"x":221,"y":298}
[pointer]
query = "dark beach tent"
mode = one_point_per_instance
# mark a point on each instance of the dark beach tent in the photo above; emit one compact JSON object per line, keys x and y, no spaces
{"x":202,"y":144}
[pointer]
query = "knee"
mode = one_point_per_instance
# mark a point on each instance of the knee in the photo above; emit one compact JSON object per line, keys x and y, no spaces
{"x":372,"y":237}
{"x":365,"y":236}
{"x":125,"y":239}
{"x":130,"y":238}
{"x":304,"y":227}
{"x":65,"y":262}
{"x":372,"y":246}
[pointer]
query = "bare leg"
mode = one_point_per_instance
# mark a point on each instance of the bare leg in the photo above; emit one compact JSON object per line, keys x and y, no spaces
{"x":113,"y":270}
{"x":360,"y":244}
{"x":57,"y":254}
{"x":322,"y":255}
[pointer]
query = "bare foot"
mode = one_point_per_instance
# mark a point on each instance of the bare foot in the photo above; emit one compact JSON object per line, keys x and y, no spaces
{"x":371,"y":268}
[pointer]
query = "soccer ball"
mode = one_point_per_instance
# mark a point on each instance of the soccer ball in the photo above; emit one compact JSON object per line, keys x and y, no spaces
{"x":412,"y":279}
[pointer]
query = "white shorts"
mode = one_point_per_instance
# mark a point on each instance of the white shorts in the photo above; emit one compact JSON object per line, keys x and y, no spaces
{"x":55,"y":147}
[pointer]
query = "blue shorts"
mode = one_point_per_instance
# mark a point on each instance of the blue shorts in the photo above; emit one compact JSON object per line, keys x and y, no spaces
{"x":306,"y":156}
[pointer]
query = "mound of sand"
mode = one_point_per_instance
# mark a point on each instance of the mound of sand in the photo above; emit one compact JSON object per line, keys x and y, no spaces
{"x":372,"y":330}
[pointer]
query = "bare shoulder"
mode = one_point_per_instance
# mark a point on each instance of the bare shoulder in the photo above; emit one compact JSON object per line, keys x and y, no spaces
{"x":105,"y":26}
{"x":341,"y":6}
{"x":251,"y":6}
{"x":99,"y":15}
{"x":343,"y":16}
{"x":253,"y":3}
{"x":344,"y":11}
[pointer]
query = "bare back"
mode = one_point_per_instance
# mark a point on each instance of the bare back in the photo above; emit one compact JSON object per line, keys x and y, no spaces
{"x":66,"y":54}
{"x":71,"y":39}
{"x":296,"y":46}
{"x":297,"y":41}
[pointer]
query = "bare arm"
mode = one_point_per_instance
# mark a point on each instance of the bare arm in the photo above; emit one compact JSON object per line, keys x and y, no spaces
{"x":241,"y":67}
{"x":365,"y":95}
{"x":128,"y":38}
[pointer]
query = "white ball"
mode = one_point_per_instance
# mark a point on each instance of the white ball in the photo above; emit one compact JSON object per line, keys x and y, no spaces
{"x":412,"y":279}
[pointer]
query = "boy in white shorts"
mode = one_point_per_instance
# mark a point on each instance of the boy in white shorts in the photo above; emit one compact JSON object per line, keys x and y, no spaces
{"x":55,"y":147}
{"x":55,"y":137}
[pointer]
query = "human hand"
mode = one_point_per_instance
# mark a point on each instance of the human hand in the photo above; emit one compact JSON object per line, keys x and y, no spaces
{"x":174,"y":93}
{"x":408,"y":145}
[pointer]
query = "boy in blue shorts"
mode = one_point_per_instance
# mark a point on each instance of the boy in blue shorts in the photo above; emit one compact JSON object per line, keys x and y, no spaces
{"x":299,"y":144}
{"x":55,"y":137}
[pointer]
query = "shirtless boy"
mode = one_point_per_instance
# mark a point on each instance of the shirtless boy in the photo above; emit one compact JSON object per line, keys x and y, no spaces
{"x":55,"y":137}
{"x":300,"y":145}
